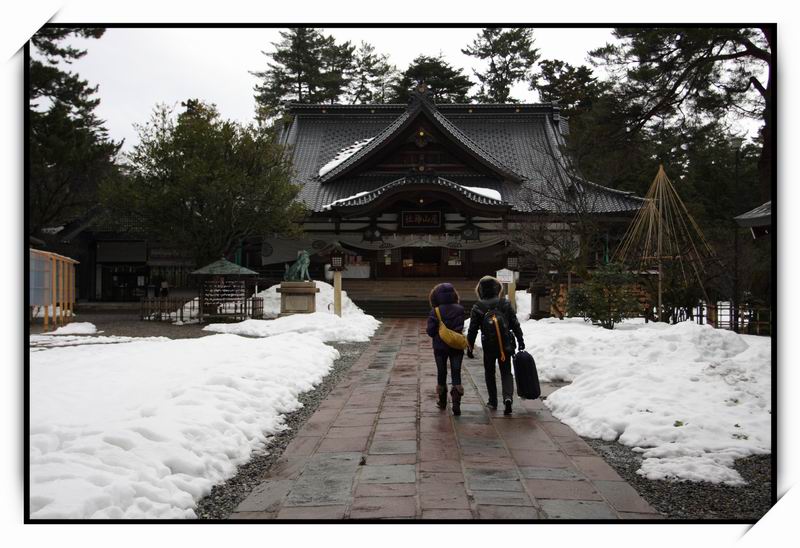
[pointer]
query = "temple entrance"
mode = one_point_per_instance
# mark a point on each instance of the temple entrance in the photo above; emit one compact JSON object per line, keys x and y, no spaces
{"x":421,"y":262}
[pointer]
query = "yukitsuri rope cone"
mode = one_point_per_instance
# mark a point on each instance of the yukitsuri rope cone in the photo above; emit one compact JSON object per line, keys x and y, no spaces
{"x":664,"y":230}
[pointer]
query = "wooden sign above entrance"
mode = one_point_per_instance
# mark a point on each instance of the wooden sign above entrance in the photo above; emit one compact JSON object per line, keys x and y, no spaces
{"x":421,"y":219}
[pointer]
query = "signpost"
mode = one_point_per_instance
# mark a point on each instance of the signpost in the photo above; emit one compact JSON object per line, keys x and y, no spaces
{"x":506,"y":276}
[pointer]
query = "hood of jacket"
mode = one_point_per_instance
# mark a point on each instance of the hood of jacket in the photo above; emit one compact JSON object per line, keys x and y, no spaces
{"x":443,"y":293}
{"x":489,"y":287}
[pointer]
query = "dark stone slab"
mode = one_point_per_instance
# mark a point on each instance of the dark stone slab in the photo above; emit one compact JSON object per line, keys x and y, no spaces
{"x":532,"y":472}
{"x":577,"y":509}
{"x":486,"y":511}
{"x":266,"y":497}
{"x":562,"y":489}
{"x":501,"y":498}
{"x":383,"y":507}
{"x":623,"y":497}
{"x":393,"y":447}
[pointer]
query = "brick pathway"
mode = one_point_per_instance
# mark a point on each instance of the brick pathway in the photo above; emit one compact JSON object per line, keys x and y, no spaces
{"x":378,"y":447}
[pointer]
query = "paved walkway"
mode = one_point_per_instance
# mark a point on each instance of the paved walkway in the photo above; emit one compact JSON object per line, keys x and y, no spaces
{"x":378,"y":447}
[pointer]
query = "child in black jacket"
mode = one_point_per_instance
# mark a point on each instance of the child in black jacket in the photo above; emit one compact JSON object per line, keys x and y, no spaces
{"x":490,"y":293}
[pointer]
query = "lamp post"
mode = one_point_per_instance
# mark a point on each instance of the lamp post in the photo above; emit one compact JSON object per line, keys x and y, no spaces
{"x":737,"y":142}
{"x":337,"y":265}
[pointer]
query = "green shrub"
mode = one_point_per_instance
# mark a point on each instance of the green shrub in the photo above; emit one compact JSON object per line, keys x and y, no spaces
{"x":606,"y":298}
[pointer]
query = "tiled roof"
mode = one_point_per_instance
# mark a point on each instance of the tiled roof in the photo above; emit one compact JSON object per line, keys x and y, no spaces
{"x":224,"y":267}
{"x":759,"y":216}
{"x":523,"y":141}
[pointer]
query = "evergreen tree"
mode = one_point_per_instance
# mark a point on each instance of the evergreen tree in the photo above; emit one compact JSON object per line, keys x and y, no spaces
{"x":511,"y":56}
{"x":337,"y":70}
{"x":306,"y":67}
{"x":70,"y":152}
{"x":574,"y":88}
{"x":372,"y":76}
{"x":448,"y":84}
{"x":206,"y":184}
{"x":674,"y":76}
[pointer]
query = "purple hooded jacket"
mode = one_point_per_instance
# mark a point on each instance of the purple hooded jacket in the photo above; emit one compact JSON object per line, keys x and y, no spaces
{"x":446,"y":298}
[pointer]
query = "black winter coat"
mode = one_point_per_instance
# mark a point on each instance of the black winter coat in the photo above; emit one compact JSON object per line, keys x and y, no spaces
{"x":504,"y":307}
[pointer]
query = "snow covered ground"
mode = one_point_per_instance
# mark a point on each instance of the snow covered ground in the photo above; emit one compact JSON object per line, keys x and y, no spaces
{"x":145,"y":428}
{"x":353,"y":326}
{"x":325,"y":326}
{"x":691,"y":398}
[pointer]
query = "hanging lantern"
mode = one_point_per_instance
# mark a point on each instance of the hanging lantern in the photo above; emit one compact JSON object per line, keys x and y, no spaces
{"x":512,"y":260}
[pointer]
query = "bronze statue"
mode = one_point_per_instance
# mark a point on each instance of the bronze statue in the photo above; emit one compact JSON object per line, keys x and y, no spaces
{"x":298,"y":272}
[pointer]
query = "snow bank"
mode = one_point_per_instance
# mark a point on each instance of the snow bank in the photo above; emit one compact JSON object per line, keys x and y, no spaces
{"x":324,"y":301}
{"x":39,"y":342}
{"x":145,"y":429}
{"x":691,"y":398}
{"x":76,"y":328}
{"x":353,"y":326}
{"x":325,"y":326}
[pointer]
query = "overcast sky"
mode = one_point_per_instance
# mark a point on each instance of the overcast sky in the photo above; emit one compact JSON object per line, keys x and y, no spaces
{"x":138,"y":68}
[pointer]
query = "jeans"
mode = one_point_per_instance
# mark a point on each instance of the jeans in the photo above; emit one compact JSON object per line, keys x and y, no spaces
{"x":456,"y":357}
{"x":506,"y":379}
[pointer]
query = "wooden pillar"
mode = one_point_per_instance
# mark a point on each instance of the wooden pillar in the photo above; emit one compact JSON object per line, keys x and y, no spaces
{"x":337,"y":293}
{"x":60,"y":292}
{"x":512,"y":294}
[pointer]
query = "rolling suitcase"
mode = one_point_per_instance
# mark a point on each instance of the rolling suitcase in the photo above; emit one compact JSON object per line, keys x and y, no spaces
{"x":526,"y":377}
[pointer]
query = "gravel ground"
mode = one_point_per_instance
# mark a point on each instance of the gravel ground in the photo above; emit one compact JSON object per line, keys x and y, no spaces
{"x":696,"y":500}
{"x":224,"y":497}
{"x":129,"y":325}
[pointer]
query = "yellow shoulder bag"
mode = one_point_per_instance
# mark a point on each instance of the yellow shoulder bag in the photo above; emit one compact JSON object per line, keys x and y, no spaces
{"x":451,"y":338}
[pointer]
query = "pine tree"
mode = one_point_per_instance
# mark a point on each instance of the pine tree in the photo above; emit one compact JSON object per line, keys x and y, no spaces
{"x":337,"y":70}
{"x":673,"y":76}
{"x":448,"y":84}
{"x":511,"y":56}
{"x":372,"y":76}
{"x":306,"y":67}
{"x":70,"y":153}
{"x":574,"y":88}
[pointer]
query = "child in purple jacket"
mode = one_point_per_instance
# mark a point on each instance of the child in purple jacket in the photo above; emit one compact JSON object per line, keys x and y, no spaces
{"x":445,"y":297}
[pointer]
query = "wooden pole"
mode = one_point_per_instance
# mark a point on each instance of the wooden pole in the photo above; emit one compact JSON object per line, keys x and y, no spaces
{"x":512,"y":293}
{"x":337,"y":293}
{"x":60,"y":292}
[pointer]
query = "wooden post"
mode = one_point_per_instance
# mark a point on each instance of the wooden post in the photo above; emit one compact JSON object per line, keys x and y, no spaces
{"x":512,"y":294}
{"x":52,"y":288}
{"x":337,"y":293}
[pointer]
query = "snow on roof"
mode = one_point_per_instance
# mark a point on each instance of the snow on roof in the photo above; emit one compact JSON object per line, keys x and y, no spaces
{"x":333,"y":203}
{"x":343,"y":155}
{"x":488,"y":192}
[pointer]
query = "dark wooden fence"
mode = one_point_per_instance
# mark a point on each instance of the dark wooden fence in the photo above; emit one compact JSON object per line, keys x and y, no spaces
{"x":166,"y":309}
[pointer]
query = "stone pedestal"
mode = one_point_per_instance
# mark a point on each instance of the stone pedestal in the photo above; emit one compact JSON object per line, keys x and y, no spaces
{"x":298,"y":297}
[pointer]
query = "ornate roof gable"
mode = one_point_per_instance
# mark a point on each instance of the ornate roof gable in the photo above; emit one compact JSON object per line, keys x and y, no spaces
{"x":421,"y":105}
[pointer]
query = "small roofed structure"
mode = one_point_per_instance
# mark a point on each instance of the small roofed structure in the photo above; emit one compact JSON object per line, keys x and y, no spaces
{"x":223,"y":292}
{"x":758,"y":220}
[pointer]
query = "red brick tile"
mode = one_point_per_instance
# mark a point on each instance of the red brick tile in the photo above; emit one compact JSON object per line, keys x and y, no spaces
{"x":301,"y":446}
{"x":383,"y":507}
{"x":595,"y":468}
{"x":342,"y":445}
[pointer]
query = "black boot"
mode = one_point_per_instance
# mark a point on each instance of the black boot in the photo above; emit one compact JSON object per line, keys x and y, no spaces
{"x":507,"y":410}
{"x":441,"y":403}
{"x":456,"y":392}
